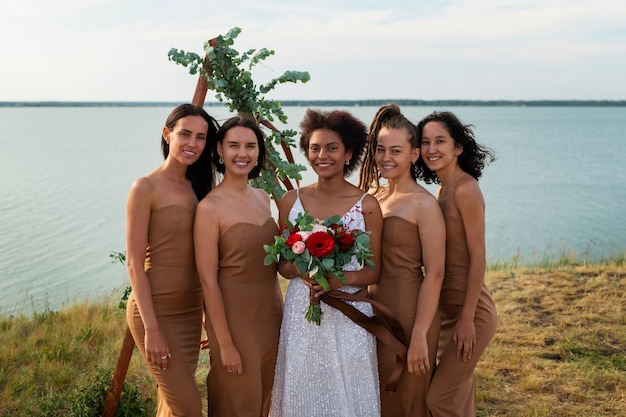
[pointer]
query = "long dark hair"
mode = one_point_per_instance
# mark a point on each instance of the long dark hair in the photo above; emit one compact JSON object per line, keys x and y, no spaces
{"x":391,"y":117}
{"x":202,"y":172}
{"x":474,"y":156}
{"x":248,"y":121}
{"x":351,"y":131}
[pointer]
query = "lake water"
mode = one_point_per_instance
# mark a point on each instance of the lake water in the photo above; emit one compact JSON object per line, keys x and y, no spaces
{"x":557,"y":185}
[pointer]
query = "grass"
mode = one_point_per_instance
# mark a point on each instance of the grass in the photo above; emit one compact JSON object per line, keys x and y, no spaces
{"x":560,"y":347}
{"x":48,"y":359}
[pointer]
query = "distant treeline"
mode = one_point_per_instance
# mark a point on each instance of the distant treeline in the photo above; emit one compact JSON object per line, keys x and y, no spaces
{"x":335,"y":103}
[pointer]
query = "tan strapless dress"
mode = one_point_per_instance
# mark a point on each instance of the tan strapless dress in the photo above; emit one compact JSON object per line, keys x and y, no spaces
{"x":452,"y":391}
{"x":254,"y":308}
{"x":177,"y":298}
{"x":398,"y":288}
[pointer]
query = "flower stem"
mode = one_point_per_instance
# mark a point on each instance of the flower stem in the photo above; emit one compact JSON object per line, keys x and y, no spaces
{"x":313,"y":313}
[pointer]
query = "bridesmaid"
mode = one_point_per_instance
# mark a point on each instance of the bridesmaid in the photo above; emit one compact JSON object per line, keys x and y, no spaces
{"x":242,"y":298}
{"x":164,"y":311}
{"x":451,"y":157}
{"x":413,"y":240}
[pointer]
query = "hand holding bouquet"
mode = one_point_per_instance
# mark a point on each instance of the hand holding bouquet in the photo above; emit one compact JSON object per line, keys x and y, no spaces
{"x":320,"y":247}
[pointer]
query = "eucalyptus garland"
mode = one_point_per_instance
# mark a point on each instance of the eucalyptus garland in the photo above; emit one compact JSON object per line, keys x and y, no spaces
{"x":228,"y":74}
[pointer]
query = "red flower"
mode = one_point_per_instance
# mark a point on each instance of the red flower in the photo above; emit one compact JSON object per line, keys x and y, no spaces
{"x":336,"y":228}
{"x":320,"y":244}
{"x":293,"y":229}
{"x":293,"y":238}
{"x":343,"y":237}
{"x":345,"y":242}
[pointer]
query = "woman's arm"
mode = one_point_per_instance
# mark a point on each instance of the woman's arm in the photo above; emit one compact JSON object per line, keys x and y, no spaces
{"x":432,"y":235}
{"x":206,"y":232}
{"x":374,"y":225}
{"x":138,"y":211}
{"x":287,"y":269}
{"x":470,"y":204}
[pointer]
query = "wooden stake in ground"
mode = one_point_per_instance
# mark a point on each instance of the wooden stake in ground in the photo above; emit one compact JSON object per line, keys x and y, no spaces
{"x":117,"y":382}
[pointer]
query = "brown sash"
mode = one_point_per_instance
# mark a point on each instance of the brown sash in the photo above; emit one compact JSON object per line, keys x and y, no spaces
{"x":388,"y":330}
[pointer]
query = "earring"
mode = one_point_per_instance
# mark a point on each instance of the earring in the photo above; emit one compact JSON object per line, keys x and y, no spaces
{"x":221,"y":160}
{"x":256,"y":162}
{"x":348,"y":162}
{"x":415,"y":168}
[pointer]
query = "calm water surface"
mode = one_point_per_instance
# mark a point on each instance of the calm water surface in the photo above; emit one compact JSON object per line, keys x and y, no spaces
{"x":65,"y":172}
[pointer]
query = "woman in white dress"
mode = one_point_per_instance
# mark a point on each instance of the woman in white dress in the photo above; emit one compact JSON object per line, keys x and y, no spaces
{"x":329,"y":369}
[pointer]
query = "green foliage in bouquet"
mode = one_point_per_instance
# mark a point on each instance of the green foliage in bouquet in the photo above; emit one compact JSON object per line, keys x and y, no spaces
{"x":320,"y":248}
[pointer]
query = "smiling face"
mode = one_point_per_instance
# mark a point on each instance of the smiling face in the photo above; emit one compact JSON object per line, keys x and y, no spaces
{"x":439,"y":150}
{"x":327,"y":153}
{"x":240,"y":150}
{"x":187,"y":139}
{"x":394,"y":153}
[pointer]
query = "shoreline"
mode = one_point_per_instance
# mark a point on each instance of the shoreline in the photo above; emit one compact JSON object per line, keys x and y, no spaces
{"x":513,"y":267}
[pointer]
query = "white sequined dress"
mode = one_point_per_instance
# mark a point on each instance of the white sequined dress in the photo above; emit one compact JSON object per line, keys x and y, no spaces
{"x":328,"y":370}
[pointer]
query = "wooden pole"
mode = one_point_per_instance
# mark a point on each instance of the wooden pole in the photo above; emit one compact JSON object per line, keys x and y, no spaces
{"x":202,"y":86}
{"x":117,"y":382}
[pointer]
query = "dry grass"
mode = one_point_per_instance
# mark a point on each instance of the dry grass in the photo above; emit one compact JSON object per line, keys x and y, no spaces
{"x":560,"y":349}
{"x":47,"y":358}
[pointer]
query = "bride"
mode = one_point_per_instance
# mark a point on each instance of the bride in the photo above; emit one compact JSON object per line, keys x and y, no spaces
{"x":329,"y":369}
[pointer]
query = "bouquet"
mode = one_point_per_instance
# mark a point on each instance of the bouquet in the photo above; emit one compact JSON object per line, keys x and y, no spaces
{"x":320,"y":247}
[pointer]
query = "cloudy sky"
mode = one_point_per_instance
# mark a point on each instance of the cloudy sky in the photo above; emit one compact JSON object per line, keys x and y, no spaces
{"x":116,"y":50}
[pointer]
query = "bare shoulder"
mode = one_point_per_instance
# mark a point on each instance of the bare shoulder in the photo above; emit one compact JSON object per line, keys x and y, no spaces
{"x":288,"y":198}
{"x":142,"y":192}
{"x":466,"y":195}
{"x":427,"y":212}
{"x":143,"y":185}
{"x":424,"y":198}
{"x":467,"y":187}
{"x":307,"y":190}
{"x":285,"y":204}
{"x":261,"y":194}
{"x":370,"y":200}
{"x":209,"y":204}
{"x":371,"y":206}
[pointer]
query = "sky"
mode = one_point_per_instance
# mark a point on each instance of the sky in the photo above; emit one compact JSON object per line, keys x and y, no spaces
{"x":116,"y":50}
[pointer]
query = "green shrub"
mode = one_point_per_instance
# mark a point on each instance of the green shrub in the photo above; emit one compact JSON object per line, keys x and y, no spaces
{"x":91,"y":398}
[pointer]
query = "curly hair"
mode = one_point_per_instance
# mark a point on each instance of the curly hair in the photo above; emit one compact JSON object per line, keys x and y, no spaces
{"x":243,"y":120}
{"x":474,"y":156}
{"x":391,"y":117}
{"x":351,"y":131}
{"x":202,"y":172}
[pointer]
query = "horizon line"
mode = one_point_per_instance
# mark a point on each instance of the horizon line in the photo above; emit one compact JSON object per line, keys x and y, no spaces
{"x":325,"y":103}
